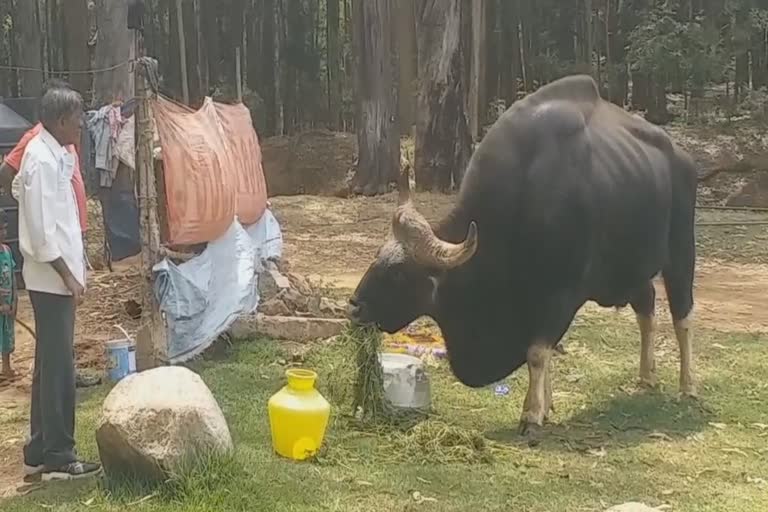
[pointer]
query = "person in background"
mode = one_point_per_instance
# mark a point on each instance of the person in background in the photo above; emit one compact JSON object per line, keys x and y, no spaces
{"x":12,"y":162}
{"x":54,"y":272}
{"x":8,"y":299}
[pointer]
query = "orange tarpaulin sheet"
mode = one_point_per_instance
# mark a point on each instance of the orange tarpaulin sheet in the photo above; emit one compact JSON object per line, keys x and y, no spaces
{"x":212,"y":169}
{"x":246,"y":152}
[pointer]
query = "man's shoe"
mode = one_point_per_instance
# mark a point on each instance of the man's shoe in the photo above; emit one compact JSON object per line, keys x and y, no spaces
{"x":72,"y":471}
{"x":33,"y":470}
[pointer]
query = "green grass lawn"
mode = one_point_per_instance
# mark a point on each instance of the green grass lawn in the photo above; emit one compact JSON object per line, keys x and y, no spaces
{"x":609,"y":443}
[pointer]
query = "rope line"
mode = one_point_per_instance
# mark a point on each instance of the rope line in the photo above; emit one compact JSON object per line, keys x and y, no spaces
{"x":68,"y":72}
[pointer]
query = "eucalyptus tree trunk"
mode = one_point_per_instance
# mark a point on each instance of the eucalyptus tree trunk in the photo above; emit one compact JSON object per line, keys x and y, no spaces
{"x":30,"y":47}
{"x":113,"y":79}
{"x":443,"y":140}
{"x":75,"y":14}
{"x":333,"y":15}
{"x":377,"y":128}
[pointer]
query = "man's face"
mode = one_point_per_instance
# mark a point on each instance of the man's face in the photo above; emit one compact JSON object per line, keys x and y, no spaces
{"x":69,"y":128}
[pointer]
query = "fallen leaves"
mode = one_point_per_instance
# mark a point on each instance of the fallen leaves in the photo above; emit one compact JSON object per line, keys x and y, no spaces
{"x":660,"y":435}
{"x":420,"y":498}
{"x":597,"y":452}
{"x":735,"y":450}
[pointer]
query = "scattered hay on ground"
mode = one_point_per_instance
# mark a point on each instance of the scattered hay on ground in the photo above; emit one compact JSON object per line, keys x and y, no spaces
{"x":437,"y":442}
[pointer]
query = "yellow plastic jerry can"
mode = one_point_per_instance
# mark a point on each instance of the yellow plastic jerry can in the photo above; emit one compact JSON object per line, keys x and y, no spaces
{"x":298,"y":416}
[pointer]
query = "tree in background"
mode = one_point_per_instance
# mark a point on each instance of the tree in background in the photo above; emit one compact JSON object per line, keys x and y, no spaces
{"x":443,"y":141}
{"x":468,"y":61}
{"x":29,"y":47}
{"x":113,"y":45}
{"x":375,"y":67}
{"x":76,"y":32}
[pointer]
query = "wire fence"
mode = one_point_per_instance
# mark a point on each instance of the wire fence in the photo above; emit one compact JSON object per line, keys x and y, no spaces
{"x":67,"y":72}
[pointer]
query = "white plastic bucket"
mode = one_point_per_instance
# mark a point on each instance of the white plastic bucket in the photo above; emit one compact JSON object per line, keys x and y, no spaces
{"x":406,"y":383}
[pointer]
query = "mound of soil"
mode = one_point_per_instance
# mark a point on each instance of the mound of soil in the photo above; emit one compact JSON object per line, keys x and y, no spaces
{"x":753,"y":192}
{"x":316,"y":162}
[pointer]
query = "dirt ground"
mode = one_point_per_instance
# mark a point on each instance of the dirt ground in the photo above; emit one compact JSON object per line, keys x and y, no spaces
{"x":331,"y":241}
{"x":334,"y":240}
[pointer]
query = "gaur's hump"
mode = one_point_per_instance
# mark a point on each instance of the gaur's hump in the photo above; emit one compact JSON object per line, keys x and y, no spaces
{"x":575,"y":88}
{"x":570,"y":102}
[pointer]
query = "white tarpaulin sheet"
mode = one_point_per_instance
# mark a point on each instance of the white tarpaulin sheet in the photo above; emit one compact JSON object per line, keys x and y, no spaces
{"x":202,"y":297}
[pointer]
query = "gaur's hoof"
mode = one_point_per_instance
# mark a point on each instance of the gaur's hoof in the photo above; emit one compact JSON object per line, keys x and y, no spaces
{"x":527,"y":428}
{"x":531,"y":433}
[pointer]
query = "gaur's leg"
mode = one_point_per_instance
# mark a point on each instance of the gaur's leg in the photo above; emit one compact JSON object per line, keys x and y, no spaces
{"x":644,"y":305}
{"x":555,"y":317}
{"x":538,"y":400}
{"x":679,"y":286}
{"x":680,"y":271}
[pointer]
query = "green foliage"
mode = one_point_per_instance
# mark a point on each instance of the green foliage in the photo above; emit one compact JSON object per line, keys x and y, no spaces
{"x":662,"y":47}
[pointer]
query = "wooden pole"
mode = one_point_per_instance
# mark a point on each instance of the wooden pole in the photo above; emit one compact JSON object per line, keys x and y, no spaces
{"x":238,"y":76}
{"x":182,"y":52}
{"x":151,"y":344}
{"x":202,"y":87}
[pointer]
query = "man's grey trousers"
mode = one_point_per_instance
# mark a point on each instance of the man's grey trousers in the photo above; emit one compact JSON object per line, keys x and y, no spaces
{"x":52,"y":419}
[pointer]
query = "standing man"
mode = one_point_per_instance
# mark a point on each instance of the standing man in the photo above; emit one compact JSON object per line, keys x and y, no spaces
{"x":51,"y":242}
{"x":12,"y":162}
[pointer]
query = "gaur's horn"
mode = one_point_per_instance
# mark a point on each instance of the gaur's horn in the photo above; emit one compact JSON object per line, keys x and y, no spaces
{"x":413,"y":231}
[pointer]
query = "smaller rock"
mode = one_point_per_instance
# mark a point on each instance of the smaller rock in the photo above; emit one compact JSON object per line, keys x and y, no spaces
{"x":300,"y":283}
{"x":633,"y":507}
{"x":271,"y":283}
{"x":283,"y":266}
{"x":313,"y":305}
{"x":332,"y":308}
{"x":294,"y":300}
{"x":274,"y":306}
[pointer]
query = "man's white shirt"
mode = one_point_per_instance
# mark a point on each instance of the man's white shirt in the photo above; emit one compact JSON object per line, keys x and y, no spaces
{"x":49,"y":224}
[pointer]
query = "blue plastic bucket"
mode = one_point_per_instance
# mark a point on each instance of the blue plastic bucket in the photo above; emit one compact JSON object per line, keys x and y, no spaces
{"x":132,"y":358}
{"x":118,"y":359}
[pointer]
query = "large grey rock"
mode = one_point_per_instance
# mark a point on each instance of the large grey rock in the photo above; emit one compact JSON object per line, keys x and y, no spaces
{"x":154,"y":420}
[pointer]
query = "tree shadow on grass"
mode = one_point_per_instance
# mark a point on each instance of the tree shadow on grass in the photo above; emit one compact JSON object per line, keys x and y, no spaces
{"x":628,"y":418}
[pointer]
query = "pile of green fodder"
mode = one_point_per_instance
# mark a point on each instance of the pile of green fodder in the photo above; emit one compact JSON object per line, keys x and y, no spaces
{"x":357,"y":379}
{"x":362,"y":380}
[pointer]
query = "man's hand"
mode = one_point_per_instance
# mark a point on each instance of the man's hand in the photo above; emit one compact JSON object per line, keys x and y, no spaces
{"x":76,"y":289}
{"x":5,"y":309}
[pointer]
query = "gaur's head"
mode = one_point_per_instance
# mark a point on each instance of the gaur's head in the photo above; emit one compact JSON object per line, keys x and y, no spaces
{"x":399,"y":286}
